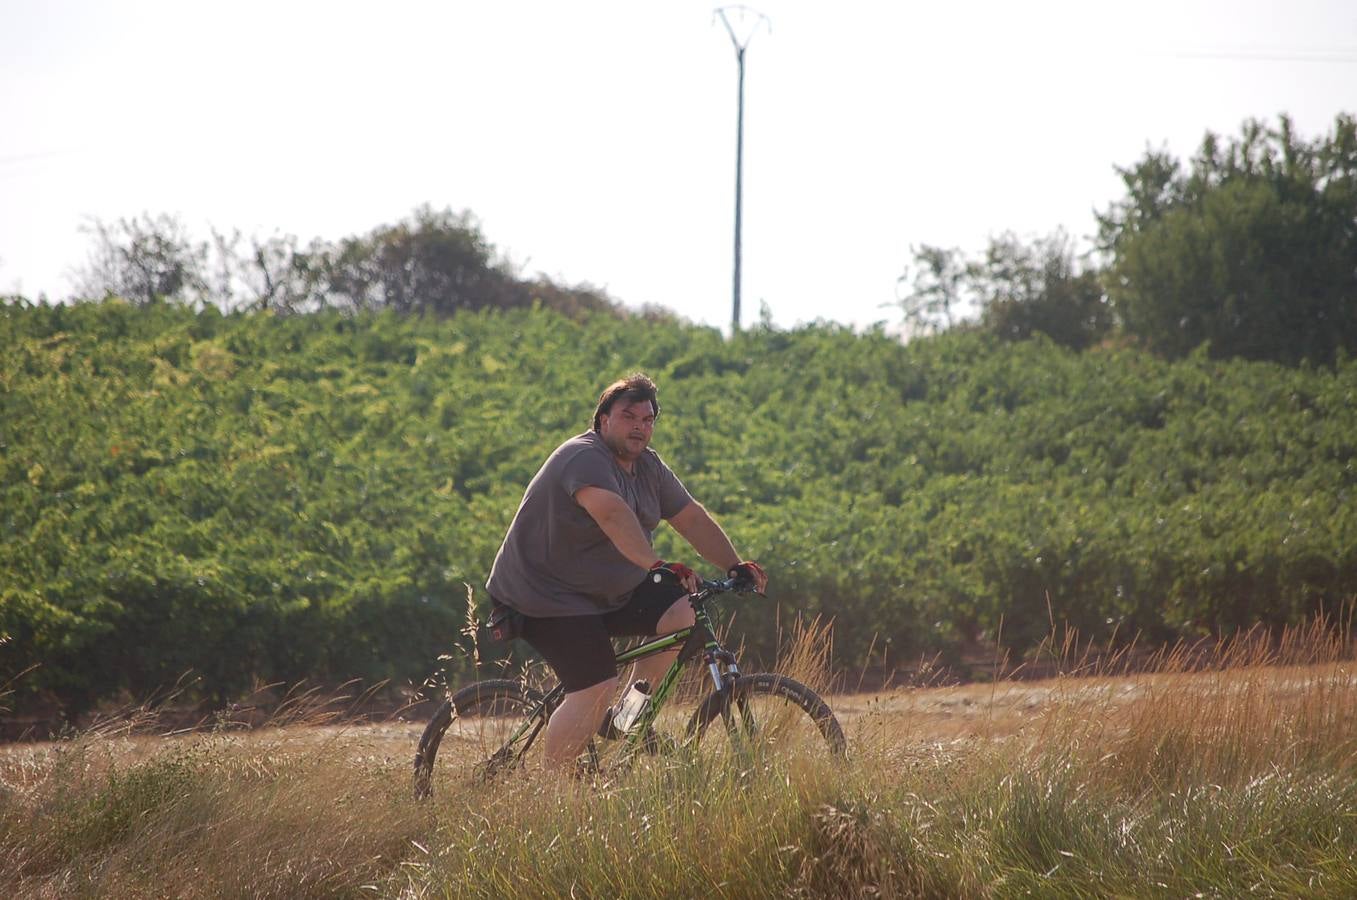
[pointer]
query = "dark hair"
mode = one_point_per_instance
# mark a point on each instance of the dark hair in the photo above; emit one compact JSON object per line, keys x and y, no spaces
{"x":633,"y":389}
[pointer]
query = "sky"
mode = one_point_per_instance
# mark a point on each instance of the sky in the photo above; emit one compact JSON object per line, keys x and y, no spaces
{"x":594,"y":142}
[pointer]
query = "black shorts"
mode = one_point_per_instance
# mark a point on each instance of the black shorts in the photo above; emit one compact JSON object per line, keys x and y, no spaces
{"x":580,"y":648}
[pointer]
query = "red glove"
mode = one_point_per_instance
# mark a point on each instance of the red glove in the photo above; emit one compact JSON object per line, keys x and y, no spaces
{"x":749,"y":571}
{"x":677,"y":569}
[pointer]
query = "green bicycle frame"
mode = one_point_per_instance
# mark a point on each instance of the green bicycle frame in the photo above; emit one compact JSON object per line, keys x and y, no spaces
{"x":688,"y":641}
{"x":695,"y":639}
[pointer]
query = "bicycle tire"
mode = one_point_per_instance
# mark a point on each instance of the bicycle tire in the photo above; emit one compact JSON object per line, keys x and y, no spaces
{"x":768,"y":713}
{"x":487,"y":714}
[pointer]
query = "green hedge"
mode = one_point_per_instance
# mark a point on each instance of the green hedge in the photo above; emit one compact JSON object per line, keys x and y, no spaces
{"x":256,"y":496}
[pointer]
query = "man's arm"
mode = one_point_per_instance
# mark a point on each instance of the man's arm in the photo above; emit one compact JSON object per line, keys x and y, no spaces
{"x":696,"y":526}
{"x":619,"y":523}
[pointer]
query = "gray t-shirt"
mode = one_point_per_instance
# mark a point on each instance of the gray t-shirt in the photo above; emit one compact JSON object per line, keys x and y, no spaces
{"x":555,"y":560}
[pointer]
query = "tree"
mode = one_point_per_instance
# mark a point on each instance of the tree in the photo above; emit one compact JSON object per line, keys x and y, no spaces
{"x":1252,"y":249}
{"x":271,"y":273}
{"x":935,"y":290}
{"x":433,"y":262}
{"x":1025,"y":289}
{"x":144,"y":260}
{"x":436,"y":261}
{"x":1020,"y":289}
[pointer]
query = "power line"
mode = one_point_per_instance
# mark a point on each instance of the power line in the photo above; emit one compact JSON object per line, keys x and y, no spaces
{"x":1293,"y":56}
{"x":35,"y":155}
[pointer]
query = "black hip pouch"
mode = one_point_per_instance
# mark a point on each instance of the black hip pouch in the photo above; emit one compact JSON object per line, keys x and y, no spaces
{"x":505,"y":624}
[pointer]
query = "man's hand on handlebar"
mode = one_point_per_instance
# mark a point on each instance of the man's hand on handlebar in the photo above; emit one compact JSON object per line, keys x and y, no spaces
{"x":751,"y":572}
{"x":686,"y":576}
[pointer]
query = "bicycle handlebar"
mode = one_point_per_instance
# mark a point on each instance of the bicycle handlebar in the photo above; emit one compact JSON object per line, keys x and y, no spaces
{"x":736,"y":584}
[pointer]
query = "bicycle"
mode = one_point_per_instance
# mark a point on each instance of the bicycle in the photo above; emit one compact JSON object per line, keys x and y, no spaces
{"x":499,"y":721}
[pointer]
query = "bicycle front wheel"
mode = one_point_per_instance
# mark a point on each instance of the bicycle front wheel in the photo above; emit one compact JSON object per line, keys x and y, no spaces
{"x":768,"y":716}
{"x":486,"y":729}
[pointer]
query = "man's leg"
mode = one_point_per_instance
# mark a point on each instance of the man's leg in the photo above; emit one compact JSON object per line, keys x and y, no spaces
{"x":574,"y":722}
{"x":580,"y":652}
{"x":652,"y":668}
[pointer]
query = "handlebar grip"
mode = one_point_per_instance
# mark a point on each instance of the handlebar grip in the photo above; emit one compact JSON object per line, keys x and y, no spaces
{"x":726,"y":585}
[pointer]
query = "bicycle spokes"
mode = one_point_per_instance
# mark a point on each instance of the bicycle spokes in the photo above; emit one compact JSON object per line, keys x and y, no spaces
{"x":765,"y":717}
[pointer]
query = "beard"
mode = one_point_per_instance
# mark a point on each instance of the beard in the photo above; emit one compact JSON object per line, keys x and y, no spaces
{"x":623,"y":447}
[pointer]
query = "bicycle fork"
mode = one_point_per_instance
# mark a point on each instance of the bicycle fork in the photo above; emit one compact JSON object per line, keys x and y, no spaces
{"x":722,"y":666}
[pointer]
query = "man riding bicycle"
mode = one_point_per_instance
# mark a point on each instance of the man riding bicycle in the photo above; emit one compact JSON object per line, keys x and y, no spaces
{"x":578,"y":565}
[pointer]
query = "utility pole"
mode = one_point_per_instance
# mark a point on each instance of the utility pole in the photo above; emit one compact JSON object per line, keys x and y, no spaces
{"x":745,"y":15}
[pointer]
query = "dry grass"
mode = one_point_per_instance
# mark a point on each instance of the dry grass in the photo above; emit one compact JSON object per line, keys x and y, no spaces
{"x":1250,"y":695}
{"x":248,"y":814}
{"x":1226,"y":770}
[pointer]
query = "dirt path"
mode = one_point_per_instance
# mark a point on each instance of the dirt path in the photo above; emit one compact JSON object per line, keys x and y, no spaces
{"x":909,"y":715}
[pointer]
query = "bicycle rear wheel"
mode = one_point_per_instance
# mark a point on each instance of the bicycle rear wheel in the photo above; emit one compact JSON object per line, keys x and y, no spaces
{"x":486,"y":729}
{"x":767,"y":716}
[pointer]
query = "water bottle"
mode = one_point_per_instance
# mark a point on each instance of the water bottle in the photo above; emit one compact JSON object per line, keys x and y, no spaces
{"x":632,"y":707}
